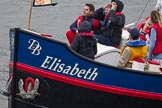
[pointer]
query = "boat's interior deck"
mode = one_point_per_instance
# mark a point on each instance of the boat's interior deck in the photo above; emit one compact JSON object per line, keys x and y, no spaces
{"x":107,"y":55}
{"x":110,"y":55}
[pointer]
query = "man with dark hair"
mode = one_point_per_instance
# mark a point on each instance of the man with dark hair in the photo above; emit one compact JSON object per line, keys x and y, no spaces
{"x":87,"y":15}
{"x":91,"y":7}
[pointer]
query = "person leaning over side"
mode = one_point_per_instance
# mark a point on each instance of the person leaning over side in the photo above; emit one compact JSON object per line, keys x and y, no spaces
{"x":134,"y":48}
{"x":111,"y":29}
{"x":87,"y":15}
{"x":155,"y":46}
{"x":84,"y":42}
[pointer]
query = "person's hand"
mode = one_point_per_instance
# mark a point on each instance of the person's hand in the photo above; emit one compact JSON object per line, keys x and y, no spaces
{"x":114,"y":5}
{"x":107,"y":7}
{"x":76,"y":31}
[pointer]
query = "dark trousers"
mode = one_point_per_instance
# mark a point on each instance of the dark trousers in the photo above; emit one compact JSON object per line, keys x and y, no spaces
{"x":104,"y":40}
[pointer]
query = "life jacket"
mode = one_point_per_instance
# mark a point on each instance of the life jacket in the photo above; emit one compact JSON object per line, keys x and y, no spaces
{"x":116,"y":13}
{"x":138,"y":52}
{"x":137,"y":48}
{"x":144,"y":34}
{"x":158,"y":43}
{"x":86,"y":34}
{"x":94,"y":21}
{"x":112,"y":30}
{"x":70,"y":35}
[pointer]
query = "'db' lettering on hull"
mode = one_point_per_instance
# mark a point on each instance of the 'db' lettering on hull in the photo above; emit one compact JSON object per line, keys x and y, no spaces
{"x":34,"y":47}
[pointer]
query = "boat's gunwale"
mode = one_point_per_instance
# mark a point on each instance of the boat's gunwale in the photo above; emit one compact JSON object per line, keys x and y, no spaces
{"x":84,"y":58}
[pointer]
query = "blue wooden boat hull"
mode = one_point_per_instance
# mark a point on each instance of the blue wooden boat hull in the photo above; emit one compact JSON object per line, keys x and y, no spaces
{"x":67,"y":79}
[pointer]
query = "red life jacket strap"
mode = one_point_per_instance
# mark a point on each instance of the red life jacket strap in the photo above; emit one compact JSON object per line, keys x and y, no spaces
{"x":95,"y":24}
{"x":140,"y":26}
{"x":80,"y":20}
{"x":86,"y":34}
{"x":118,"y":13}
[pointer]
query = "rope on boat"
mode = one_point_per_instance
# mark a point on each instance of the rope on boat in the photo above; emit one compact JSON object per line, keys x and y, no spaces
{"x":132,"y":24}
{"x":5,"y":90}
{"x":141,"y":13}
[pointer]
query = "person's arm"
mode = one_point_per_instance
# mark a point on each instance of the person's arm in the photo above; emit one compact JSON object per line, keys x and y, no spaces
{"x":99,"y":14}
{"x":152,"y":43}
{"x":95,"y":47}
{"x":118,"y":20}
{"x":124,"y":59}
{"x":75,"y":43}
{"x":73,"y":27}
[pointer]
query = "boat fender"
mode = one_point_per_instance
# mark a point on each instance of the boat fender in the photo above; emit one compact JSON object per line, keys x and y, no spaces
{"x":27,"y":81}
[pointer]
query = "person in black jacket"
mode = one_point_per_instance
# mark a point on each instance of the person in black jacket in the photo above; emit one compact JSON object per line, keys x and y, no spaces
{"x":84,"y":42}
{"x":113,"y":20}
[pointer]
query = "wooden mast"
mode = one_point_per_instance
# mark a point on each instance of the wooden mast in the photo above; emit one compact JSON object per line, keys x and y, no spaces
{"x":30,"y":13}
